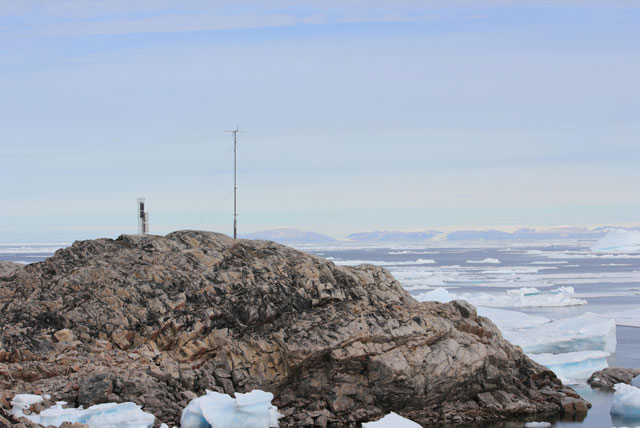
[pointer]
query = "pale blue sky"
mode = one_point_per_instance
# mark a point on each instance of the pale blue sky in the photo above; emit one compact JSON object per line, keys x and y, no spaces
{"x":360,"y":115}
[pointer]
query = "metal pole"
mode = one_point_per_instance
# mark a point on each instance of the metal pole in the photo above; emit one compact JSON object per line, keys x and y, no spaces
{"x":235,"y":184}
{"x":235,"y":181}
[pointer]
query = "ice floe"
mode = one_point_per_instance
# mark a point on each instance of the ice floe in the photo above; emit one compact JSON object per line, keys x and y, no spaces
{"x":511,"y":320}
{"x":537,"y":425}
{"x":573,"y":366}
{"x":484,"y":262}
{"x":215,"y":410}
{"x":515,"y":298}
{"x":618,"y":240}
{"x":107,"y":415}
{"x":587,"y":332}
{"x":392,"y":420}
{"x":626,"y":401}
{"x":383,"y":263}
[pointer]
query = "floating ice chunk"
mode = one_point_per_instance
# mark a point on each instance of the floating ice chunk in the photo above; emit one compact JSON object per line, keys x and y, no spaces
{"x":587,"y":332}
{"x":626,"y":401}
{"x":537,"y":425}
{"x":486,"y":261}
{"x":576,"y":366}
{"x":215,"y":410}
{"x":392,"y":420}
{"x":439,"y":294}
{"x":511,"y":320}
{"x":618,"y":240}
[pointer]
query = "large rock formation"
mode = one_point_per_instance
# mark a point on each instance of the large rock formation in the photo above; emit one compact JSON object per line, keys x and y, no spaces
{"x":157,"y":320}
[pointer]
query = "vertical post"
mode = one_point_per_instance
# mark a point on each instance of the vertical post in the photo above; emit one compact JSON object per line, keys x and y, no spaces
{"x":235,"y":184}
{"x":235,"y":181}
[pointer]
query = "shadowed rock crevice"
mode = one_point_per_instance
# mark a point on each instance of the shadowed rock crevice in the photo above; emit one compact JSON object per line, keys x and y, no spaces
{"x":157,"y":320}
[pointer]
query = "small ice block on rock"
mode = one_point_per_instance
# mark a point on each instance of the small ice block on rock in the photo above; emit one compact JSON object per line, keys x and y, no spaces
{"x":392,"y":420}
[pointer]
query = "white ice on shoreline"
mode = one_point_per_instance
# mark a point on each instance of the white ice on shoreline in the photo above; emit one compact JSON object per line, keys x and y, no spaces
{"x":107,"y":415}
{"x":618,"y":240}
{"x":392,"y":420}
{"x":573,"y":366}
{"x":587,"y":332}
{"x":214,"y":410}
{"x":626,"y":401}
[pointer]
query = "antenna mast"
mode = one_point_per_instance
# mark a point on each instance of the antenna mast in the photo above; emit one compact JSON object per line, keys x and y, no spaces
{"x":235,"y":180}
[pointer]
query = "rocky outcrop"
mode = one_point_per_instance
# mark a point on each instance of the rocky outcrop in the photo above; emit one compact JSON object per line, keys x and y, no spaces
{"x":157,"y":320}
{"x":606,"y":378}
{"x":7,"y":268}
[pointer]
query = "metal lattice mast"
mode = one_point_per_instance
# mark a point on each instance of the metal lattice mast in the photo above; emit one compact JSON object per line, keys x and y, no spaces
{"x":235,"y":181}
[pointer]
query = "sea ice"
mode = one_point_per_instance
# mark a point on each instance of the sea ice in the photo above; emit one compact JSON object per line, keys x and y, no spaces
{"x":107,"y":415}
{"x":573,"y":365}
{"x":485,"y":261}
{"x":537,"y":425}
{"x":516,"y":298}
{"x":392,"y":420}
{"x":525,"y":297}
{"x":618,"y":240}
{"x":511,"y":320}
{"x":628,"y":318}
{"x":626,"y":401}
{"x":587,"y":332}
{"x":215,"y":410}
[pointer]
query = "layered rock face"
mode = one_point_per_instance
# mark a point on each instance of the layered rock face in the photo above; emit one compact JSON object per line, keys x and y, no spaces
{"x":157,"y":320}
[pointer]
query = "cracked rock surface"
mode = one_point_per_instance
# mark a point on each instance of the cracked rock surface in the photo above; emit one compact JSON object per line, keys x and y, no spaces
{"x":157,"y":320}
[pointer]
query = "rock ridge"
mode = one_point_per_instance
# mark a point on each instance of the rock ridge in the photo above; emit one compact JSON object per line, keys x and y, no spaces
{"x":157,"y":320}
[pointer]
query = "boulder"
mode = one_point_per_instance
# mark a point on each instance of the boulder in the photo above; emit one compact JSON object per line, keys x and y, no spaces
{"x":162,"y":319}
{"x":606,"y":378}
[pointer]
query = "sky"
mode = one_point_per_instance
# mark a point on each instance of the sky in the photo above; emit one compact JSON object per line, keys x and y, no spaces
{"x":359,"y":115}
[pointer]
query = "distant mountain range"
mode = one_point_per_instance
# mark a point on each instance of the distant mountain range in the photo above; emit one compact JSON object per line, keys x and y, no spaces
{"x":387,"y":236}
{"x":288,"y":234}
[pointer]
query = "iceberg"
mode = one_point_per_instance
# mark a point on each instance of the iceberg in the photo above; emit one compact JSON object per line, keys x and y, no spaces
{"x":626,"y":401}
{"x":573,"y":366}
{"x":107,"y":415}
{"x":215,"y":410}
{"x":587,"y":332}
{"x":511,"y":320}
{"x":392,"y":420}
{"x":618,"y":241}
